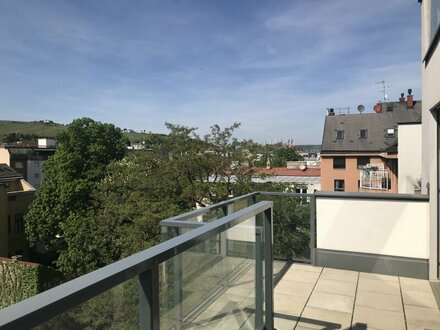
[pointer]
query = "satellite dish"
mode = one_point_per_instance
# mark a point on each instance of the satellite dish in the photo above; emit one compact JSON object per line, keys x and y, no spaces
{"x":361,"y":108}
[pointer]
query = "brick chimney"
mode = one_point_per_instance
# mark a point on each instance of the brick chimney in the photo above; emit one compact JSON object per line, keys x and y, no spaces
{"x":402,"y":97}
{"x":410,"y":99}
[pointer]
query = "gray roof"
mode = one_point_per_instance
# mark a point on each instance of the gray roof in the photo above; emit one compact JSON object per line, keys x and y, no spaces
{"x":376,"y":124}
{"x":7,"y":173}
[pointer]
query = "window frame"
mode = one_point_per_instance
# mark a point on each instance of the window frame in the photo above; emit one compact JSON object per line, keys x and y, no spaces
{"x":339,"y":167}
{"x":335,"y":188}
{"x":340,"y":134}
{"x":365,"y":135}
{"x":361,"y":166}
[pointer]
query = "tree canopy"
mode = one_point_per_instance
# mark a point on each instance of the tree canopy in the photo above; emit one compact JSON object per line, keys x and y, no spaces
{"x":84,"y":150}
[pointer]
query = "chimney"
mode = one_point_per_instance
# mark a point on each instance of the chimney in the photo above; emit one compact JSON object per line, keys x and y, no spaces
{"x":402,"y":97}
{"x":410,"y":99}
{"x":378,"y":107}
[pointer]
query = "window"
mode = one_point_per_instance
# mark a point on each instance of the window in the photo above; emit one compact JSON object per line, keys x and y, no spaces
{"x":389,"y":108}
{"x":12,"y":198}
{"x":390,"y":132}
{"x":18,"y":223}
{"x":339,"y":162}
{"x":339,"y":185}
{"x":18,"y":164}
{"x":362,"y":161}
{"x":434,"y":35}
{"x":363,"y":134}
{"x":340,"y":135}
{"x":435,"y":19}
{"x":36,"y":175}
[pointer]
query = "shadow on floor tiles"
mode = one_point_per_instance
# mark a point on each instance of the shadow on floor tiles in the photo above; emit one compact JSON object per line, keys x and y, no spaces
{"x":324,"y":324}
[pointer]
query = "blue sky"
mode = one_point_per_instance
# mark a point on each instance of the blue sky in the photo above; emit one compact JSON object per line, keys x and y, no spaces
{"x":273,"y":66}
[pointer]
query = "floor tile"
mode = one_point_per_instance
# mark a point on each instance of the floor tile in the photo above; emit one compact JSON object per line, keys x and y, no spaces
{"x":309,"y":268}
{"x":378,"y":319}
{"x":339,"y":275}
{"x":379,"y":286}
{"x":382,"y":277}
{"x":281,"y":323}
{"x":293,"y":288}
{"x":331,"y":301}
{"x":379,"y":301}
{"x":300,"y":275}
{"x":422,"y":316}
{"x":338,"y":287}
{"x":289,"y":305}
{"x":317,"y":318}
{"x":413,"y":284}
{"x":417,"y":298}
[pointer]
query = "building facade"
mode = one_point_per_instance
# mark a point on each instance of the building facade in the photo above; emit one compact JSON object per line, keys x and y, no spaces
{"x":16,"y":195}
{"x":360,"y":152}
{"x":28,"y":161}
{"x":430,"y":53}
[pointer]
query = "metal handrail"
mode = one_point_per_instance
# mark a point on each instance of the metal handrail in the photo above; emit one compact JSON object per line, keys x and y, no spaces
{"x":208,"y":208}
{"x":46,"y":305}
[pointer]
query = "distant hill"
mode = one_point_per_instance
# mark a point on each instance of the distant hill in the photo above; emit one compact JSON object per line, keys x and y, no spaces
{"x":44,"y":128}
{"x":39,"y":128}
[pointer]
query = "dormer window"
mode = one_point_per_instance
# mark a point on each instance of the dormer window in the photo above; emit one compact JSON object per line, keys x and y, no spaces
{"x":339,"y":135}
{"x":390,"y":132}
{"x":363,"y":134}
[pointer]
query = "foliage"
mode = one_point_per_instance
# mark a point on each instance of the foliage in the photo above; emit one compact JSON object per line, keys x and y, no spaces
{"x":18,"y":137}
{"x":282,"y":155}
{"x":183,"y":170}
{"x":22,"y":280}
{"x":83,"y":151}
{"x":278,"y":155}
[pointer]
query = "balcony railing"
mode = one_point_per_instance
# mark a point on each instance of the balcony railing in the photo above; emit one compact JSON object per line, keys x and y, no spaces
{"x":219,"y":258}
{"x":140,"y":291}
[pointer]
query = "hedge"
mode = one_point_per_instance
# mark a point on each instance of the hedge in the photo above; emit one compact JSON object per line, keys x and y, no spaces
{"x":21,"y":280}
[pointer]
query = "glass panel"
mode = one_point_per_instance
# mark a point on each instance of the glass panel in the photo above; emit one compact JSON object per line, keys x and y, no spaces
{"x":117,"y":308}
{"x":291,"y":227}
{"x":214,"y":283}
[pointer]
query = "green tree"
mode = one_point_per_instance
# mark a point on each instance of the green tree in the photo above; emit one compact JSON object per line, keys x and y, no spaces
{"x":83,"y":151}
{"x":282,"y":155}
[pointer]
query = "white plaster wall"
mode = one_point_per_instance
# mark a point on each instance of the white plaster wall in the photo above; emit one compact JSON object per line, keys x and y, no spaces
{"x":409,"y":157}
{"x":370,"y":226}
{"x":430,"y":98}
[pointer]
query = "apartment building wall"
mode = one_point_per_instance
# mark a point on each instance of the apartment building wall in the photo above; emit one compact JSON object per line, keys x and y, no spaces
{"x":18,"y":205}
{"x":3,"y":221}
{"x":350,"y":174}
{"x":410,"y":158}
{"x":430,"y":145}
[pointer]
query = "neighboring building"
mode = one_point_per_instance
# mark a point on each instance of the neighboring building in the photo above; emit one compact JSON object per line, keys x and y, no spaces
{"x":305,"y":179}
{"x":360,"y":151}
{"x":28,"y":161}
{"x":15,"y":197}
{"x":430,"y":19}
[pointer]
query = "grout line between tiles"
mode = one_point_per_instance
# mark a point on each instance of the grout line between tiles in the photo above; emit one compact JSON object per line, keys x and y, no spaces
{"x":354,"y":300}
{"x":403,"y":304}
{"x":311,"y":292}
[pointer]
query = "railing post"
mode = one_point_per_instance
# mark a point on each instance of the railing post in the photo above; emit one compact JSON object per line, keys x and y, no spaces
{"x":313,"y":230}
{"x":259,"y":296}
{"x":149,"y":313}
{"x":268,"y":263}
{"x":178,"y":292}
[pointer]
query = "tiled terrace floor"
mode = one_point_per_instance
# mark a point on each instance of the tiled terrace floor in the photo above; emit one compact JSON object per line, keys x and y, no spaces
{"x":310,"y":297}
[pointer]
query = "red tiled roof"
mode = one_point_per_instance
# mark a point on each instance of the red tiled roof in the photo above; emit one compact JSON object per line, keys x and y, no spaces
{"x":283,"y":171}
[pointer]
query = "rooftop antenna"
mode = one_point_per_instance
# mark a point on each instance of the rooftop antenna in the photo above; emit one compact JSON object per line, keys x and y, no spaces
{"x":384,"y":89}
{"x":361,"y":108}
